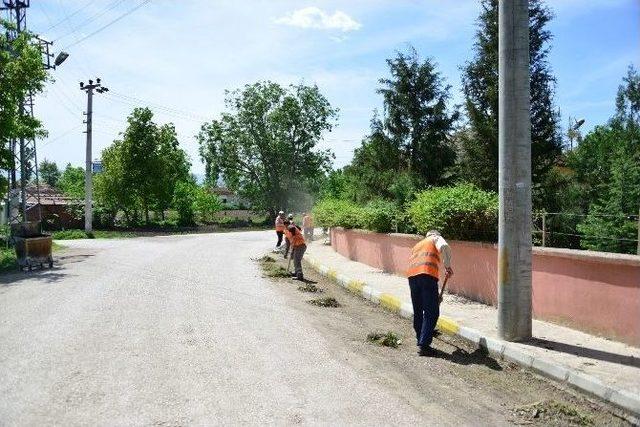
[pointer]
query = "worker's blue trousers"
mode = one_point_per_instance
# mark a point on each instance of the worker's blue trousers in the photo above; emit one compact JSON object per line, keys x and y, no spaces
{"x":426,"y":307}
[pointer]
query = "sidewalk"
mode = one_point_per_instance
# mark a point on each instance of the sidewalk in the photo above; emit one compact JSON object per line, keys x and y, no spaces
{"x":604,"y":368}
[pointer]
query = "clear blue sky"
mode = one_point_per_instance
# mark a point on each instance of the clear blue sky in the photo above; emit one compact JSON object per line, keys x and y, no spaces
{"x":179,"y":57}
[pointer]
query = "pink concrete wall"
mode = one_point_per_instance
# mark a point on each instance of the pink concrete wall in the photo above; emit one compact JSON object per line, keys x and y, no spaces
{"x":591,"y":291}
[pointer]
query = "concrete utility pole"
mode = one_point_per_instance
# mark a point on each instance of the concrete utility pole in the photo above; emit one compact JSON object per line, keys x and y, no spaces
{"x":88,"y":174}
{"x":514,"y":176}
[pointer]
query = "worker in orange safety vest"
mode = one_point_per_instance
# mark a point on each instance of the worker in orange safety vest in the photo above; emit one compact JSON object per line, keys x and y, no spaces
{"x":299,"y":247}
{"x":423,"y":273}
{"x":287,"y":234}
{"x":279,"y":229}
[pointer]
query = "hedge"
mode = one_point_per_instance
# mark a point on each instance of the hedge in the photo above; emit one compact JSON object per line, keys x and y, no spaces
{"x":338,"y":213}
{"x":463,"y":212}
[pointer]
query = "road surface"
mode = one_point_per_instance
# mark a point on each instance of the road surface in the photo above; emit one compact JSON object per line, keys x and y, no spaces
{"x":184,"y":330}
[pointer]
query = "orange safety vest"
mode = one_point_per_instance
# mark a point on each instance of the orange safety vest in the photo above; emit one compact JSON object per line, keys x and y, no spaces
{"x":279,"y":224}
{"x":425,"y":259}
{"x":296,"y":239}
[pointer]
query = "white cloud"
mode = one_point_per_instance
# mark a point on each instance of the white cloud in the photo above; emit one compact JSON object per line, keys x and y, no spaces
{"x":313,"y":17}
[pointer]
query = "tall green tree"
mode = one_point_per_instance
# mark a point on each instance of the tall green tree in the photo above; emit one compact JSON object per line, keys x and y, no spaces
{"x":140,"y":171}
{"x":21,"y":73}
{"x":71,"y":181}
{"x":416,"y":116}
{"x":607,"y":165}
{"x":172,"y":167}
{"x":408,"y":147}
{"x":479,"y":145}
{"x":49,"y":172}
{"x":266,"y":145}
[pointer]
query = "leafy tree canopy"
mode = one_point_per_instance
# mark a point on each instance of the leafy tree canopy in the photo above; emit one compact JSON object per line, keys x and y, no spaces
{"x":266,"y":145}
{"x":21,"y":73}
{"x":49,"y":173}
{"x":479,"y":145}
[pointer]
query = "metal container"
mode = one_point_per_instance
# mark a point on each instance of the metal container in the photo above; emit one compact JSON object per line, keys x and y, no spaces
{"x":26,"y":229}
{"x":34,"y":251}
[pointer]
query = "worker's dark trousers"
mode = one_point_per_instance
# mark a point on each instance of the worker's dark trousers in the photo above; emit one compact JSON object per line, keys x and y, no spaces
{"x":297,"y":253}
{"x":426,"y":310}
{"x":280,"y":234}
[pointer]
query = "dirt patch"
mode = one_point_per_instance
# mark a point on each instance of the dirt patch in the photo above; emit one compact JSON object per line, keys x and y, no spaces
{"x":550,"y":412}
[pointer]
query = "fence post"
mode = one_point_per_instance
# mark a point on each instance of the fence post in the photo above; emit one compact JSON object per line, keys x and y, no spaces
{"x":544,"y":229}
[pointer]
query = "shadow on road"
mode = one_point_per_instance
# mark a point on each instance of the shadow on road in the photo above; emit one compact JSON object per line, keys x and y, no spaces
{"x":461,"y":356}
{"x":44,"y":275}
{"x":590,"y":353}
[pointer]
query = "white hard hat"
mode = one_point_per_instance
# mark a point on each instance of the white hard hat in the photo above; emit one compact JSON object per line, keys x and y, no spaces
{"x":281,"y":213}
{"x":290,"y":216}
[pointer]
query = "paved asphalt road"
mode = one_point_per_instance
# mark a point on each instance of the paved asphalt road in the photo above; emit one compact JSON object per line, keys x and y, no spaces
{"x":170,"y":331}
{"x":184,"y":330}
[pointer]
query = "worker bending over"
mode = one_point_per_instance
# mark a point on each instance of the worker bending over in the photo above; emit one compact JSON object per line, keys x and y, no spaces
{"x":307,"y":226}
{"x":423,"y":273}
{"x":298,"y":249}
{"x":287,"y":235}
{"x":279,"y":229}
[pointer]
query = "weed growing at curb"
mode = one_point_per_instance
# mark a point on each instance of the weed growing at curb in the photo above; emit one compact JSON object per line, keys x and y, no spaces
{"x":550,"y":410}
{"x":309,"y":287}
{"x":324,"y":302}
{"x":271,"y":270}
{"x":388,"y":339}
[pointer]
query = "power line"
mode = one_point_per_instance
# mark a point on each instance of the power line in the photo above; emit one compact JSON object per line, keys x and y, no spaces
{"x":108,"y":24}
{"x":153,"y":104}
{"x":159,"y":108}
{"x":67,"y":16}
{"x":92,"y":18}
{"x":63,"y":134}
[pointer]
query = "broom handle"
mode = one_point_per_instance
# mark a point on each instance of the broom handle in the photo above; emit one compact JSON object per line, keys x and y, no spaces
{"x":444,"y":285}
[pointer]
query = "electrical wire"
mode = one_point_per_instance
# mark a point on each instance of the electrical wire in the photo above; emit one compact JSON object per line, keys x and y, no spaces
{"x":154,"y":104}
{"x":63,"y":134}
{"x":67,"y":16}
{"x":130,"y":11}
{"x":92,"y":18}
{"x":158,"y":109}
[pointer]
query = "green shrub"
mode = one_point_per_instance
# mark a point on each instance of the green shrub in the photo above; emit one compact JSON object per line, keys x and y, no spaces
{"x":8,"y":260}
{"x":184,"y":197}
{"x":380,"y":216}
{"x":462,"y":212}
{"x":339,"y":213}
{"x":206,"y":204}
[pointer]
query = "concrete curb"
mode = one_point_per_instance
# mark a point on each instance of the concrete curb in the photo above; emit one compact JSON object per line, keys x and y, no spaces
{"x":495,"y":347}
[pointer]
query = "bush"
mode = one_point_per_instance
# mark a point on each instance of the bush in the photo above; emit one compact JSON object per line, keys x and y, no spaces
{"x":463,"y":212}
{"x":184,"y":197}
{"x":339,"y":213}
{"x":206,"y":204}
{"x":381,"y":216}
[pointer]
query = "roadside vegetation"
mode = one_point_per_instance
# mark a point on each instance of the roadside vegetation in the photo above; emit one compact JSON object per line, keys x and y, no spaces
{"x":386,"y":339}
{"x":433,"y":164}
{"x":325,"y":302}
